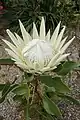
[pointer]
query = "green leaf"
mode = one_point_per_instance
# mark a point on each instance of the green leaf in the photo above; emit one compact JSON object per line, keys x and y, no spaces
{"x":6,"y":87}
{"x":6,"y":90}
{"x":47,"y":80}
{"x":1,"y":86}
{"x":21,"y":90}
{"x":6,"y":61}
{"x":18,"y":98}
{"x":45,"y":116}
{"x":71,"y":99}
{"x":60,"y":86}
{"x":50,"y":106}
{"x":56,"y":83}
{"x":49,"y":89}
{"x":66,"y":67}
{"x":75,"y":101}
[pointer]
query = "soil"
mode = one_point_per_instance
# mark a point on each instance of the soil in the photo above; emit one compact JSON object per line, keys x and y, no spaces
{"x":9,"y":111}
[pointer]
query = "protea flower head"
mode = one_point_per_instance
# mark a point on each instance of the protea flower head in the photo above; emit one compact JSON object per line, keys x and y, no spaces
{"x":40,"y":52}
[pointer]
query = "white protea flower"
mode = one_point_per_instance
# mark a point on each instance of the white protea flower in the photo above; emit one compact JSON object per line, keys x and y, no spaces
{"x":40,"y":52}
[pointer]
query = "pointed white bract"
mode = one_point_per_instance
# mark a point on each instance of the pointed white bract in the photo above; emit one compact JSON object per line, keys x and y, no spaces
{"x":55,"y":34}
{"x":42,"y":30}
{"x":25,"y":34}
{"x":38,"y":53}
{"x":35,"y":32}
{"x":48,"y":35}
{"x":59,"y":38}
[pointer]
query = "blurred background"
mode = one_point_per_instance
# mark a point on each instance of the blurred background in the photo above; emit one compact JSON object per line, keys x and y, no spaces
{"x":67,"y":11}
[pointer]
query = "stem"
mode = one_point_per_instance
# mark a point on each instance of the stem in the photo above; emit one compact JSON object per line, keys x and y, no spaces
{"x":27,"y":106}
{"x":38,"y":87}
{"x":27,"y":110}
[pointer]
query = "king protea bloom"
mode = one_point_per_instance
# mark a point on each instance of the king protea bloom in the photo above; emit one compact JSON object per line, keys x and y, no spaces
{"x":40,"y":52}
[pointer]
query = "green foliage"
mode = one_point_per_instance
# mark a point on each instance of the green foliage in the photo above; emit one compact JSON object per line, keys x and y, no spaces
{"x":50,"y":106}
{"x":52,"y":10}
{"x":21,"y":90}
{"x":65,"y":67}
{"x":7,"y":88}
{"x":55,"y":82}
{"x":7,"y":61}
{"x":70,"y":98}
{"x":18,"y":98}
{"x":1,"y":86}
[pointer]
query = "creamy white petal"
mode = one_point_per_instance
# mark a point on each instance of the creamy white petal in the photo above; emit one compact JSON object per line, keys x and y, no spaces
{"x":45,"y":69}
{"x":57,"y":43}
{"x":25,"y":34}
{"x":53,"y":60}
{"x":42,"y":30}
{"x":36,"y":66}
{"x":13,"y":55}
{"x":41,"y":64}
{"x":55,"y":34}
{"x":28,"y":47}
{"x":66,"y":45}
{"x":22,"y":65}
{"x":62,"y":42}
{"x":20,"y":41}
{"x":39,"y":51}
{"x":26,"y":65}
{"x":62,"y":57}
{"x":13,"y":38}
{"x":52,"y":68}
{"x":11,"y":46}
{"x":35,"y":32}
{"x":48,"y":36}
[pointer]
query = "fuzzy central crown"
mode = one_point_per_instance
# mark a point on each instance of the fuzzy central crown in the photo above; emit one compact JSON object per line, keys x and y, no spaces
{"x":38,"y":51}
